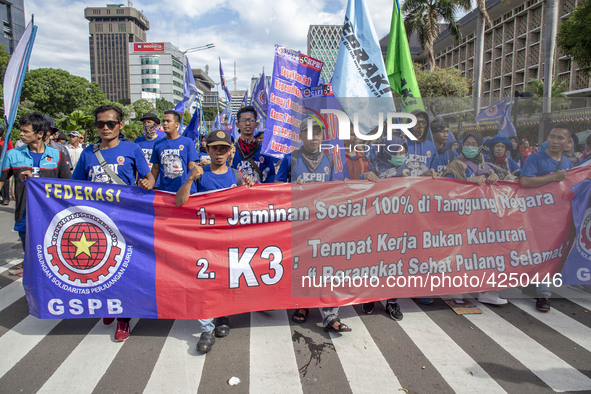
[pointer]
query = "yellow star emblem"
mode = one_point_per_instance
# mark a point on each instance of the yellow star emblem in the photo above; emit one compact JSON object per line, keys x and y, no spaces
{"x":83,"y":245}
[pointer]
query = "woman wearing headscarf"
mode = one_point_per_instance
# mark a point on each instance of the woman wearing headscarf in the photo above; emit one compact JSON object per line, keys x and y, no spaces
{"x":500,"y":158}
{"x":472,"y":166}
{"x":516,"y":154}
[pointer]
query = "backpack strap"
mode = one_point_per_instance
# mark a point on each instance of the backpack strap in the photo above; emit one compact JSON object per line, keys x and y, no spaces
{"x":238,"y":175}
{"x":294,"y":158}
{"x":99,"y":156}
{"x":559,"y":164}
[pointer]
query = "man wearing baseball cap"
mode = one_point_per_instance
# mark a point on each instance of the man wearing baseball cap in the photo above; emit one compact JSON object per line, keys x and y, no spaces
{"x":214,"y":176}
{"x":75,"y":147}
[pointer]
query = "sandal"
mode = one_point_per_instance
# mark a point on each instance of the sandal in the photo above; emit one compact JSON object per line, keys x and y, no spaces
{"x":300,"y":315}
{"x":342,"y":327}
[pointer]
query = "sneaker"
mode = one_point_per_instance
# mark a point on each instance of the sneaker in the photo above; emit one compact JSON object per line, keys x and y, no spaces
{"x":543,"y":304}
{"x":368,"y":307}
{"x":206,"y":342}
{"x":425,"y":301}
{"x":222,"y":327}
{"x":393,"y":309}
{"x":122,"y":332}
{"x":5,"y":202}
{"x":491,"y":297}
{"x":108,"y":320}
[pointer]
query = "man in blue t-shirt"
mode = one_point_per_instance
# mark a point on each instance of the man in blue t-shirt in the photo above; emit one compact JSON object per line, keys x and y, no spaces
{"x":248,"y":158}
{"x":34,"y":159}
{"x":542,"y":168}
{"x":124,"y":159}
{"x":444,"y":153}
{"x":310,"y":164}
{"x":214,"y":176}
{"x":174,"y":157}
{"x":151,"y":135}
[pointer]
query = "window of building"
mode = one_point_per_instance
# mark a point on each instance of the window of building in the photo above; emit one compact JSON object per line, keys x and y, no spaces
{"x":149,"y":71}
{"x":150,"y":80}
{"x":178,"y":75}
{"x":177,"y":64}
{"x":175,"y":83}
{"x":177,"y":93}
{"x":150,"y":60}
{"x":121,"y":27}
{"x":120,"y":12}
{"x":151,"y":90}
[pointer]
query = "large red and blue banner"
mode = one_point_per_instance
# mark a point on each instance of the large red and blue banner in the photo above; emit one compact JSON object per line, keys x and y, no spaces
{"x":97,"y":250}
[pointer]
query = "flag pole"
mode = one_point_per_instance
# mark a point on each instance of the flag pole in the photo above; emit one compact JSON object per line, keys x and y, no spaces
{"x":13,"y":110}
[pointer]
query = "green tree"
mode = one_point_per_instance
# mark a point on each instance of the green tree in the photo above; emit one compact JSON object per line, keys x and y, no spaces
{"x":425,"y":16}
{"x":444,"y":91}
{"x":78,"y":121}
{"x":209,"y":113}
{"x":574,"y":36}
{"x":57,"y":91}
{"x":141,"y":107}
{"x":536,"y":86}
{"x":162,"y":105}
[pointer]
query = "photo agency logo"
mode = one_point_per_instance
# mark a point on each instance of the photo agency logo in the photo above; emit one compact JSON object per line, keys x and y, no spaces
{"x":394,"y":125}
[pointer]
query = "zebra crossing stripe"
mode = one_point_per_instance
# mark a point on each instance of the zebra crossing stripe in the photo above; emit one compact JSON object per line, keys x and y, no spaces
{"x":273,"y":367}
{"x":10,"y":265}
{"x":23,"y":337}
{"x":87,"y":364}
{"x":558,"y":321}
{"x":360,"y":357}
{"x":11,"y":293}
{"x":577,"y":296}
{"x":458,"y":369}
{"x":178,"y":362}
{"x":555,"y":372}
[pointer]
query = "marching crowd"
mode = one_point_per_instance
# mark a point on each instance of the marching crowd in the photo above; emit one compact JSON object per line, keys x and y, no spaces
{"x":169,"y":161}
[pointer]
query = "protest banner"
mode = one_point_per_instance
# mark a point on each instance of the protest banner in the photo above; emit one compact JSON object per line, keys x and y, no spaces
{"x":292,"y":71}
{"x":99,"y":250}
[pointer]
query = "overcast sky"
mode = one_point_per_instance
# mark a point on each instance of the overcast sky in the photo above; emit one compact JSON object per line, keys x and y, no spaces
{"x":244,"y":32}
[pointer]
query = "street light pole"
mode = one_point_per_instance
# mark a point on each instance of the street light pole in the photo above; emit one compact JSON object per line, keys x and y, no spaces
{"x":199,"y":48}
{"x":517,"y":95}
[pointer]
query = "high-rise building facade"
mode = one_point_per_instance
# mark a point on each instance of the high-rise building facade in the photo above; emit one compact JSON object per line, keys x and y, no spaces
{"x":513,"y":49}
{"x":111,"y":30}
{"x":323,"y":44}
{"x":156,"y":70}
{"x":12,"y":13}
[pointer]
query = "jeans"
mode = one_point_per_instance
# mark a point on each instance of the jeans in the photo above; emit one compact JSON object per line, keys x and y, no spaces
{"x":543,"y":290}
{"x":21,"y":235}
{"x":206,"y":325}
{"x":329,"y":314}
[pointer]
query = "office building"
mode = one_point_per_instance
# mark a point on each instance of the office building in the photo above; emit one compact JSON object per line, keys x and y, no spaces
{"x":156,"y":70}
{"x":112,"y":29}
{"x":12,"y":13}
{"x":513,"y":49}
{"x":323,"y":44}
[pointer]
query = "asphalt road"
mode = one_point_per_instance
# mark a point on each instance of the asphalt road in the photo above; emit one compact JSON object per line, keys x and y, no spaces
{"x":512,"y":348}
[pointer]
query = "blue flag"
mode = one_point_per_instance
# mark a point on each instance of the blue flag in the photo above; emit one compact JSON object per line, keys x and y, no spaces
{"x":259,"y":97}
{"x":223,"y":82}
{"x":359,"y":70}
{"x":191,"y":91}
{"x":14,"y":77}
{"x":494,"y":112}
{"x":192,"y":129}
{"x":506,"y":126}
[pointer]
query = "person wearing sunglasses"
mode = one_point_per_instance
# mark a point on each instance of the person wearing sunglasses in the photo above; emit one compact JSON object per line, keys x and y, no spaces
{"x":123,"y":160}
